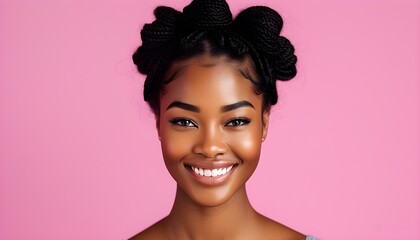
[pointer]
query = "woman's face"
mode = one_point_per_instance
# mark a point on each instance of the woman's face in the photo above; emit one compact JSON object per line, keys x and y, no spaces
{"x":211,"y":127}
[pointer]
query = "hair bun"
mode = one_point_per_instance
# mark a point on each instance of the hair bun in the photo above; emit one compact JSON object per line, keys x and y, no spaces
{"x":207,"y":15}
{"x":261,"y":26}
{"x":155,"y":35}
{"x":284,"y":63}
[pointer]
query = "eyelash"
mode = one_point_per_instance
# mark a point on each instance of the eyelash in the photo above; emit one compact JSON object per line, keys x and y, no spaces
{"x":241,"y":121}
{"x":184,"y":122}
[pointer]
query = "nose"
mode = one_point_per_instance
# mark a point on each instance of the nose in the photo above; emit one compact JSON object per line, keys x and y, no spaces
{"x":210,"y":143}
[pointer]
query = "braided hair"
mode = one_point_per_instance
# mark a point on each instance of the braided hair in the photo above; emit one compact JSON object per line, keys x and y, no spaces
{"x":207,"y":26}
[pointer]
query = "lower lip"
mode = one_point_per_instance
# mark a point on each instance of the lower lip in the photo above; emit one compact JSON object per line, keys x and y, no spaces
{"x":211,"y":181}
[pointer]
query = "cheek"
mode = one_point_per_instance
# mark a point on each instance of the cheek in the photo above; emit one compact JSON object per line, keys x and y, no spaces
{"x":247,"y":145}
{"x":174,"y":146}
{"x":174,"y":149}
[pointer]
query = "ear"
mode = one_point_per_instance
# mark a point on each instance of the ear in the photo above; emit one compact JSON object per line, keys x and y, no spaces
{"x":265,"y":121}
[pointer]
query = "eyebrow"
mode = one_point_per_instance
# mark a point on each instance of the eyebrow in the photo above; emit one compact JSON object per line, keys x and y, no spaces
{"x":193,"y":108}
{"x":185,"y":106}
{"x":233,"y":106}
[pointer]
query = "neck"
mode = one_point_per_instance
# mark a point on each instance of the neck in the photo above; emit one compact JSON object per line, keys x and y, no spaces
{"x":230,"y":220}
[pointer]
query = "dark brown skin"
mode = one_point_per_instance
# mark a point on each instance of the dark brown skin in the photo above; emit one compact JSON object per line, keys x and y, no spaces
{"x":210,"y":138}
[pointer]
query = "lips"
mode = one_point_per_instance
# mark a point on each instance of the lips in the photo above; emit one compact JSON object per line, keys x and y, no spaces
{"x":211,"y":172}
{"x":211,"y":175}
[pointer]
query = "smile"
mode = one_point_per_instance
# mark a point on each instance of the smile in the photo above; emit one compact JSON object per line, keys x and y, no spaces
{"x":211,"y":172}
{"x":211,"y":175}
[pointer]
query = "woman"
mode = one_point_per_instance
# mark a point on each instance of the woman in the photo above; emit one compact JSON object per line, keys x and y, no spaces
{"x":211,"y":82}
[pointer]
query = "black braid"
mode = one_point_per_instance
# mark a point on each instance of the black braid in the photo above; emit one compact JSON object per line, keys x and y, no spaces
{"x":207,"y":26}
{"x":207,"y":15}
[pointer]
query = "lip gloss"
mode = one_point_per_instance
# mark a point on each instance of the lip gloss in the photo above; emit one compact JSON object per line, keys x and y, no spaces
{"x":210,"y":180}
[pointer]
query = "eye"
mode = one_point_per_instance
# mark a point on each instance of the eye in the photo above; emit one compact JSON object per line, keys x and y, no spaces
{"x":238,"y":122}
{"x":183,"y":122}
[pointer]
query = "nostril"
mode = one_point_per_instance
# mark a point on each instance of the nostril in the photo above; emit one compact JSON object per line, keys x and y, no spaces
{"x":211,"y":143}
{"x":211,"y":154}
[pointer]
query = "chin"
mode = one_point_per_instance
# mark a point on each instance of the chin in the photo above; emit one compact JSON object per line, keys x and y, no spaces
{"x":204,"y":195}
{"x":213,"y":197}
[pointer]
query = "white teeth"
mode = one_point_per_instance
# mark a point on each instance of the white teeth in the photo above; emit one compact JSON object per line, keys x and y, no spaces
{"x":211,"y":172}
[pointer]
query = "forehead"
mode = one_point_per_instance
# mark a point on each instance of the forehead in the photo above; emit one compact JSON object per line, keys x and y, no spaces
{"x":207,"y":80}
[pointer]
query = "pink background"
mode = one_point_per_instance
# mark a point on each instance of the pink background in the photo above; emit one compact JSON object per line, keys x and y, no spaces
{"x":80,"y":159}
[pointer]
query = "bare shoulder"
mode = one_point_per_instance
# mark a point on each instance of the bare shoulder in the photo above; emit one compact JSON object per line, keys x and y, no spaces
{"x":153,"y":232}
{"x":275,"y":230}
